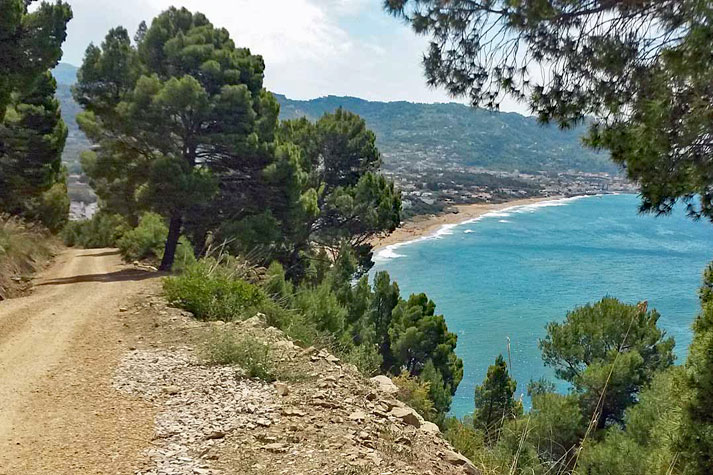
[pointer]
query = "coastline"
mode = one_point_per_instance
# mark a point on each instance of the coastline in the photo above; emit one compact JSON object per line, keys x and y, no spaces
{"x":425,"y":226}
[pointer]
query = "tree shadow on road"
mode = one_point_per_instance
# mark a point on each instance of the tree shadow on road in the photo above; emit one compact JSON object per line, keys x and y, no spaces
{"x":118,"y":276}
{"x":98,"y":253}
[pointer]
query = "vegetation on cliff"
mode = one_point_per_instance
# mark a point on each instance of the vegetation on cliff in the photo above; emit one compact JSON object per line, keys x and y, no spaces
{"x":640,"y":74}
{"x":24,"y":249}
{"x":32,"y":133}
{"x":191,"y":157}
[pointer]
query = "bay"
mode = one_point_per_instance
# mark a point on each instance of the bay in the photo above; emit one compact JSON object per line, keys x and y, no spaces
{"x":508,"y":273}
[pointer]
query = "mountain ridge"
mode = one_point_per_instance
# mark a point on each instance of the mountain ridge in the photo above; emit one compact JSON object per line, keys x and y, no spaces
{"x":424,"y":135}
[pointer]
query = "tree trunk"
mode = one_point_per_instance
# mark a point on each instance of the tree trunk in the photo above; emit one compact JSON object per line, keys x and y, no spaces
{"x":200,"y":247}
{"x":174,"y":232}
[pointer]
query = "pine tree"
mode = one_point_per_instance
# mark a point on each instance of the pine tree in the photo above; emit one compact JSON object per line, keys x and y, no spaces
{"x":638,"y":71}
{"x":30,"y":44}
{"x":32,"y":138}
{"x":696,"y":444}
{"x":607,"y":348}
{"x":494,"y":401}
{"x":183,"y":110}
{"x":32,"y":133}
{"x":353,"y":203}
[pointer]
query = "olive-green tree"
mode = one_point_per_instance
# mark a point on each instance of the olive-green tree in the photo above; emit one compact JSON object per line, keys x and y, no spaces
{"x":184,"y":107}
{"x":608,"y":351}
{"x":353,"y":202}
{"x":494,"y":400}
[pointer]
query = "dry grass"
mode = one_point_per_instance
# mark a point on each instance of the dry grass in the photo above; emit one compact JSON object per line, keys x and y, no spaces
{"x":24,"y":249}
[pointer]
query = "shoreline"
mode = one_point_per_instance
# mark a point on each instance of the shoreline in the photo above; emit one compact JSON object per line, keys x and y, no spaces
{"x":426,"y":226}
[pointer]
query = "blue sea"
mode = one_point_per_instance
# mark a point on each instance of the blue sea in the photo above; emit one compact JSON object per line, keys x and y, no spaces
{"x":508,"y":273}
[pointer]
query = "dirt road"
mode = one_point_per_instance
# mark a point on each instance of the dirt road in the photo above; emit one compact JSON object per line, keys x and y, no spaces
{"x":58,"y":349}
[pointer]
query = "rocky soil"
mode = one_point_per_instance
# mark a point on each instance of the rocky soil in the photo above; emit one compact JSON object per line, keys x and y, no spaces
{"x":319,"y":417}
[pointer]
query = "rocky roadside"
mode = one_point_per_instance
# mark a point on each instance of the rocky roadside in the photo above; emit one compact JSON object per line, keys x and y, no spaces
{"x":320,"y":417}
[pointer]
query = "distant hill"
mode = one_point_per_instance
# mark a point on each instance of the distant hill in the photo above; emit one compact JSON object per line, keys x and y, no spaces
{"x":66,"y":75}
{"x":435,"y":135}
{"x":457,"y":134}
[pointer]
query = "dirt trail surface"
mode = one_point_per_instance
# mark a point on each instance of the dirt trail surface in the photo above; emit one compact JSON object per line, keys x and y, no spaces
{"x":59,"y":347}
{"x":99,"y":375}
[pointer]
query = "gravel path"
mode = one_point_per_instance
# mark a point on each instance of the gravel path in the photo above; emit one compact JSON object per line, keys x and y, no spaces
{"x":58,"y":350}
{"x":200,"y":405}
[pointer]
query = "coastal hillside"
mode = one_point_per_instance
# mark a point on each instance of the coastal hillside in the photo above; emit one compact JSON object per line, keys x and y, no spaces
{"x":408,"y":134}
{"x":227,"y":300}
{"x":66,"y":75}
{"x":441,"y":135}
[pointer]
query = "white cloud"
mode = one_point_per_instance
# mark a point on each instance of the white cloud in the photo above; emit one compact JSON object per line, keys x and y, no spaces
{"x":280,"y":30}
{"x":311,"y":48}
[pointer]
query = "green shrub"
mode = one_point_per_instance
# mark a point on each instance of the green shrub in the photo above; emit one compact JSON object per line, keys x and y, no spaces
{"x":53,"y":209}
{"x":415,"y":393}
{"x":210,"y":292}
{"x":464,"y":437}
{"x":146,"y":241}
{"x":365,"y":357}
{"x":252,"y":355}
{"x":320,"y":305}
{"x":103,"y":230}
{"x":185,"y":255}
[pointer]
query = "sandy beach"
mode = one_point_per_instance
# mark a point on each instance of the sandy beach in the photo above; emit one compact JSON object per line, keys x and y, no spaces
{"x":426,"y":225}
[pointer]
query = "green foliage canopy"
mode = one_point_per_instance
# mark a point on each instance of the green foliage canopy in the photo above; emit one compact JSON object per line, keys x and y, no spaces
{"x":494,"y":400}
{"x":351,"y":202}
{"x":647,"y":443}
{"x":608,"y":348}
{"x":185,"y":105}
{"x":32,"y":137}
{"x":641,"y":70}
{"x":32,"y":133}
{"x":696,"y":443}
{"x":30,"y":43}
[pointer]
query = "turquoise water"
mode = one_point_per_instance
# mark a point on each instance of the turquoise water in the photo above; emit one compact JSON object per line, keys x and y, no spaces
{"x":510,"y":272}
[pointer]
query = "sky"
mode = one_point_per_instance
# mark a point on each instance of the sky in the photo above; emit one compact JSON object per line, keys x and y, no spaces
{"x":311,"y":48}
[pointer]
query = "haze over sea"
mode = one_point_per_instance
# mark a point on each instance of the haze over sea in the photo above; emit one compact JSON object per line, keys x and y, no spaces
{"x":508,"y":273}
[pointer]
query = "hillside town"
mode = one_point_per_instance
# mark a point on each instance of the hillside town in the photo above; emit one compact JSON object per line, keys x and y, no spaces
{"x":430,"y":189}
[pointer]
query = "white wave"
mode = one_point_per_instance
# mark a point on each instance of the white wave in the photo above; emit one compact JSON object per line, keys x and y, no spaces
{"x":388,"y":252}
{"x":445,"y":230}
{"x":504,"y":221}
{"x":468,"y":231}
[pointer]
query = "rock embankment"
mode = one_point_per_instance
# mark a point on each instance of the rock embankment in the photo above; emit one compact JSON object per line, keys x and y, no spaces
{"x":320,"y":417}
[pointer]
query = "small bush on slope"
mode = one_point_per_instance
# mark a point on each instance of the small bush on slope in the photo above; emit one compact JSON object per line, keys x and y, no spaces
{"x":146,"y":240}
{"x":53,"y":208}
{"x":247,"y":352}
{"x":415,"y":393}
{"x":210,"y":292}
{"x":365,"y":357}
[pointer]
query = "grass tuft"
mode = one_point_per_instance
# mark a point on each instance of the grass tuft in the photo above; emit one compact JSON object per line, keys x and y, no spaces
{"x":252,"y":355}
